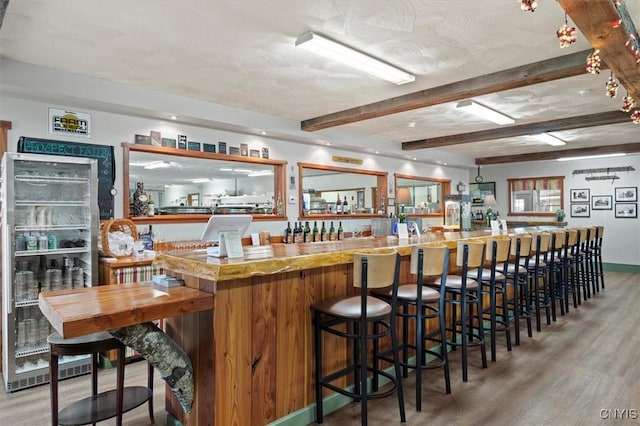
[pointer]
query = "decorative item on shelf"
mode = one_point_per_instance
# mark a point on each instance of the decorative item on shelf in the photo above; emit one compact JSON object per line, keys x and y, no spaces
{"x":566,"y":34}
{"x":461,"y":187}
{"x":628,"y":103}
{"x":612,"y":86}
{"x":140,"y":202}
{"x":528,"y":5}
{"x":594,"y":62}
{"x":125,"y":226}
{"x":635,"y":117}
{"x":560,"y":215}
{"x":150,"y":207}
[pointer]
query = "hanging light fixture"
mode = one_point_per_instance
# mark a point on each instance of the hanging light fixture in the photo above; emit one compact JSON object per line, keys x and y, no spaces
{"x":566,"y":34}
{"x":594,"y":62}
{"x":635,"y":117}
{"x":627,"y":103}
{"x":528,"y":5}
{"x":612,"y":86}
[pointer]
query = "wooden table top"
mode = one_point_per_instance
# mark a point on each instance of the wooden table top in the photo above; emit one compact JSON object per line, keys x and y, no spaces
{"x":83,"y":311}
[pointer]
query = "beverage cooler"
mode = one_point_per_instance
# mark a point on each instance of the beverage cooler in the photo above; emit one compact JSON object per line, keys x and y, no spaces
{"x":457,"y":212}
{"x":49,"y":242}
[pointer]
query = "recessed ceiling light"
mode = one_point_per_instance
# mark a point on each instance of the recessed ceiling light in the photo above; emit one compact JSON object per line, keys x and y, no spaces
{"x":444,"y":164}
{"x":328,"y":144}
{"x":174,"y":117}
{"x":411,"y":124}
{"x":263,"y":132}
{"x":377,"y":152}
{"x":415,"y":158}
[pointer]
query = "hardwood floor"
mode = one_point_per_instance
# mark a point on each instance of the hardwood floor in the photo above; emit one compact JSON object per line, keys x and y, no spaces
{"x":585,"y":362}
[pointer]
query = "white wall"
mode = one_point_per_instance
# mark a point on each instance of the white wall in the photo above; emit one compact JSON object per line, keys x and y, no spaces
{"x":621,"y":236}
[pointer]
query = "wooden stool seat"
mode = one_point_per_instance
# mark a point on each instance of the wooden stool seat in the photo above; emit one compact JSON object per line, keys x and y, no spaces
{"x":98,"y":406}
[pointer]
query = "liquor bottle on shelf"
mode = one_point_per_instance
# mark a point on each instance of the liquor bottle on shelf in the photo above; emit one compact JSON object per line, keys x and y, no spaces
{"x":338,"y":205}
{"x":323,"y":232}
{"x":345,"y":206}
{"x":315,"y":232}
{"x":340,"y":231}
{"x":297,"y":233}
{"x":332,"y":232}
{"x":140,"y":201}
{"x":354,"y":207}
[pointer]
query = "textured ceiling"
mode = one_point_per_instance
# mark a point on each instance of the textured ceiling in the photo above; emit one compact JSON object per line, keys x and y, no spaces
{"x":242,"y":54}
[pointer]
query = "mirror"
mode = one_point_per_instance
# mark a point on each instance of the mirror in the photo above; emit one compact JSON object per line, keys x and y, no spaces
{"x":189,"y":186}
{"x":324,"y":190}
{"x":421,"y":196}
{"x":536,"y":196}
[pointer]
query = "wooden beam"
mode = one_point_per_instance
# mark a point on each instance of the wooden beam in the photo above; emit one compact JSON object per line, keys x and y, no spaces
{"x":598,"y":21}
{"x":581,"y":121}
{"x":554,"y":155}
{"x":538,"y":72}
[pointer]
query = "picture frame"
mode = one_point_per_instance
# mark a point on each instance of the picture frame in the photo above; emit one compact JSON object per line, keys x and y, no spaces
{"x":479,"y":191}
{"x":581,"y":195}
{"x":626,"y":194}
{"x":626,"y":210}
{"x":602,"y":202}
{"x":580,"y":210}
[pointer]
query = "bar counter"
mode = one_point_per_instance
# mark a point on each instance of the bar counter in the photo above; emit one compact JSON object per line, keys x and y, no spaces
{"x":252,"y":354}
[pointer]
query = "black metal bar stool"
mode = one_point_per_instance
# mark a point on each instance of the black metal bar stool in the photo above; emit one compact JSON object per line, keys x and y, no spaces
{"x":352,"y":317}
{"x":99,"y":406}
{"x":517,"y":278}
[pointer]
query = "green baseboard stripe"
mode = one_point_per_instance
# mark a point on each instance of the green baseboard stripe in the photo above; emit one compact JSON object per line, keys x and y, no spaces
{"x":621,"y":267}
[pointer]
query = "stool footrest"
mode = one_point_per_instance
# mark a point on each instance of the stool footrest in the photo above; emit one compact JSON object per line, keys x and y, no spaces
{"x":102,"y":406}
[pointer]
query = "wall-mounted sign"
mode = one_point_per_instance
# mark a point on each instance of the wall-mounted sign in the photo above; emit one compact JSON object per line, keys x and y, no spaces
{"x":69,"y":123}
{"x":348,"y":160}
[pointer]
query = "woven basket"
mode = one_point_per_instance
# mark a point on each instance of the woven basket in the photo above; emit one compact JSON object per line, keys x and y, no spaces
{"x":122,"y":225}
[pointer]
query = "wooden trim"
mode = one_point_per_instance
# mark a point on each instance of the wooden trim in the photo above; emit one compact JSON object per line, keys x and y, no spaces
{"x":5,"y":126}
{"x":538,"y":72}
{"x":339,"y":169}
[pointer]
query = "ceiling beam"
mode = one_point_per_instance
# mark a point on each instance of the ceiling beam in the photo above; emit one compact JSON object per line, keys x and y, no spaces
{"x":538,"y":72}
{"x":581,"y":121}
{"x":598,"y":21}
{"x":554,"y":155}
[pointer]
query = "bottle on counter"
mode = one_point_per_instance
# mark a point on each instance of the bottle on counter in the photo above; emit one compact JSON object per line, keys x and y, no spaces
{"x":306,"y":233}
{"x":354,"y":207}
{"x":345,"y":206}
{"x":315,"y":232}
{"x":323,"y":232}
{"x":340,"y":231}
{"x":332,"y":232}
{"x":297,"y":233}
{"x":338,"y":205}
{"x":288,"y":234}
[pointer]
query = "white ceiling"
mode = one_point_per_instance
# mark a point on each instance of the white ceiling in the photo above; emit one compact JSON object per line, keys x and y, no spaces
{"x":241,"y":54}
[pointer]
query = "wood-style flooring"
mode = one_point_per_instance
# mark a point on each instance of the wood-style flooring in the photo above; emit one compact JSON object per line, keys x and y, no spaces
{"x":581,"y":368}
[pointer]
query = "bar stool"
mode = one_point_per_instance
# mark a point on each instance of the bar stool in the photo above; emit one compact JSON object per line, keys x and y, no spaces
{"x":99,"y":406}
{"x":582,"y":268}
{"x":536,"y":272}
{"x":493,"y":283}
{"x":463,"y":291}
{"x":558,"y":277}
{"x":426,"y":261}
{"x":517,"y":278}
{"x":598,"y":255}
{"x":357,"y":313}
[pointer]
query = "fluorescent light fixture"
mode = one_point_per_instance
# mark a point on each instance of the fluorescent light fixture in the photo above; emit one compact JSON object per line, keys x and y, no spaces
{"x":590,"y":157}
{"x":550,"y":139}
{"x":485,"y":112}
{"x":161,"y":165}
{"x":200,"y":180}
{"x":242,"y":170}
{"x":348,"y":56}
{"x":225,"y":169}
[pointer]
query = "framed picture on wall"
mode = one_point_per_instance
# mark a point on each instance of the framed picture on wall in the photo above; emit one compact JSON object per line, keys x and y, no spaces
{"x":480,"y":190}
{"x":626,"y":210}
{"x":580,"y":210}
{"x":579,"y":195}
{"x":601,"y":202}
{"x":626,"y":194}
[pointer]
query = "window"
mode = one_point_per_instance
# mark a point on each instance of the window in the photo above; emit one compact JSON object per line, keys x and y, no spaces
{"x":536,"y":196}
